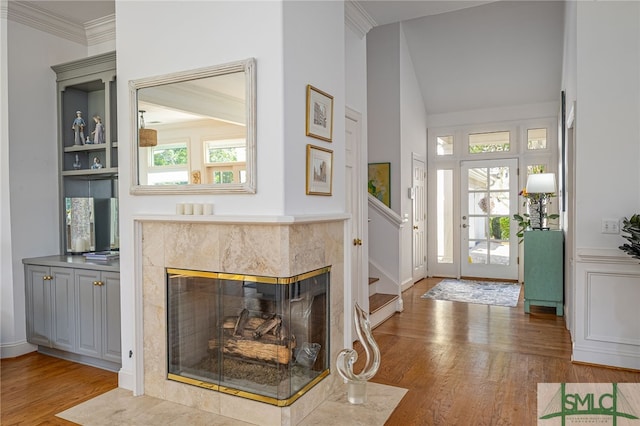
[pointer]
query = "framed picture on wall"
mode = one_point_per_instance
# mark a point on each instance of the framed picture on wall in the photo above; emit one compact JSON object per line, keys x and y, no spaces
{"x":379,"y":182}
{"x":319,"y":114}
{"x":319,"y":170}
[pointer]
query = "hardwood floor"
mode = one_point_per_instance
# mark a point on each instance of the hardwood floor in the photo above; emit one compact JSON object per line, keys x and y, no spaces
{"x":471,"y":364}
{"x":463,"y":364}
{"x":34,"y":387}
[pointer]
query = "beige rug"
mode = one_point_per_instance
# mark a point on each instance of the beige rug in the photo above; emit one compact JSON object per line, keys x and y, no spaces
{"x":120,"y":407}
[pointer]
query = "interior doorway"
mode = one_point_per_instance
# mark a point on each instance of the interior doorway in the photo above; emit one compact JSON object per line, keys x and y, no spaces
{"x":355,"y":199}
{"x":419,"y":207}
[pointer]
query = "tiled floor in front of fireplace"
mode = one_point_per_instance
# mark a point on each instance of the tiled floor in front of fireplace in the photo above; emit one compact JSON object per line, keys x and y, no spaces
{"x":120,"y":407}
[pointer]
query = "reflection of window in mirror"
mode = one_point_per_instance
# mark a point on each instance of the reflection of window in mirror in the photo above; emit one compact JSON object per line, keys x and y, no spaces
{"x":168,"y":164}
{"x":225,"y":161}
{"x":211,"y":110}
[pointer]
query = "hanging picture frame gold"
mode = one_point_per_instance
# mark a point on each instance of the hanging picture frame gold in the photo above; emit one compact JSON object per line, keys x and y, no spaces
{"x":319,"y":114}
{"x":319,"y":170}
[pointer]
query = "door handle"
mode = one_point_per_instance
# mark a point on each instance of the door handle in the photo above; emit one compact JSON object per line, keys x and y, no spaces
{"x":415,"y":226}
{"x":357,"y":242}
{"x":464,"y":225}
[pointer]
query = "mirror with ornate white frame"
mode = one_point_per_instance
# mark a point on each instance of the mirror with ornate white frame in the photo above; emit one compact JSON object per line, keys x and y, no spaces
{"x":199,"y":131}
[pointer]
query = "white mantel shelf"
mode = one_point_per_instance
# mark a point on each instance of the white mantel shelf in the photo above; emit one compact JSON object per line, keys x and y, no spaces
{"x":262,"y":220}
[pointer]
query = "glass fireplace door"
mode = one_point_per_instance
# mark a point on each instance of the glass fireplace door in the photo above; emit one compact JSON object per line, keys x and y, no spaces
{"x":263,"y":338}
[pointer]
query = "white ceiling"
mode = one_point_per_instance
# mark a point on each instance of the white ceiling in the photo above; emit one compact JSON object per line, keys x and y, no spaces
{"x":467,"y":54}
{"x":76,"y":11}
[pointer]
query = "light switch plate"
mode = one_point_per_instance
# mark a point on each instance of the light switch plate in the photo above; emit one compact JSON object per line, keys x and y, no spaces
{"x":610,"y":226}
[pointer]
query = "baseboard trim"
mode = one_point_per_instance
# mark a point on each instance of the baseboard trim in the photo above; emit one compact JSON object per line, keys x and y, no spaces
{"x":126,"y":380}
{"x":81,"y":359}
{"x":593,"y":356}
{"x":13,"y":350}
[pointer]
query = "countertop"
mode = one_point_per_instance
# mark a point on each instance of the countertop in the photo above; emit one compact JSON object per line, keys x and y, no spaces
{"x":74,"y":261}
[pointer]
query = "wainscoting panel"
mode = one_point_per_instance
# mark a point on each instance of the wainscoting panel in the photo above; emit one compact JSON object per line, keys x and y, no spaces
{"x":606,"y":315}
{"x":612,"y":308}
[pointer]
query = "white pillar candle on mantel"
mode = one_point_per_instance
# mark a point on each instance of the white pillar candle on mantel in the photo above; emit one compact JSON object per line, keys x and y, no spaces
{"x":188,"y":208}
{"x":207,"y":209}
{"x":197,"y":209}
{"x":179,"y":208}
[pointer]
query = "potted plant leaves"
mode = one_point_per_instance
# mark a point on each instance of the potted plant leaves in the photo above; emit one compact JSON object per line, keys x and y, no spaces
{"x":632,"y":228}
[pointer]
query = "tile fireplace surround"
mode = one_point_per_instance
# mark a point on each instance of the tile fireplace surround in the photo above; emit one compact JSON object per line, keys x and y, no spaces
{"x":264,"y":247}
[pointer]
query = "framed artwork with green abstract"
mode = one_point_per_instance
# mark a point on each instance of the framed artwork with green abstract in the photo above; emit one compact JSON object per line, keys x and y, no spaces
{"x":379,"y":182}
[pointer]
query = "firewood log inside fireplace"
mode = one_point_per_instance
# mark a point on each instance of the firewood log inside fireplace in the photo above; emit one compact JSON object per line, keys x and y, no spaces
{"x":263,"y":339}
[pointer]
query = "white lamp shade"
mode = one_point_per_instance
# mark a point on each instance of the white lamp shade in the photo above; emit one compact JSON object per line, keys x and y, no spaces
{"x":540,"y":183}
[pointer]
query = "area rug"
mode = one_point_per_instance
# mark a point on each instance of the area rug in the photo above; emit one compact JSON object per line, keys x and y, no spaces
{"x":481,"y":292}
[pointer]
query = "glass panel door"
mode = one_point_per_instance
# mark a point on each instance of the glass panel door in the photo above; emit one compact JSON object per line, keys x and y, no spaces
{"x":489,"y":198}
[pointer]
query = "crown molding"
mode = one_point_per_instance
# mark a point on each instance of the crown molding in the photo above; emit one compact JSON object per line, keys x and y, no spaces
{"x":92,"y":32}
{"x":357,"y":18}
{"x":4,"y":9}
{"x":101,"y":30}
{"x":39,"y":19}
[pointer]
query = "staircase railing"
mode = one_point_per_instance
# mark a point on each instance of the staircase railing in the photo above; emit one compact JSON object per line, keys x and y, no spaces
{"x":385,"y":229}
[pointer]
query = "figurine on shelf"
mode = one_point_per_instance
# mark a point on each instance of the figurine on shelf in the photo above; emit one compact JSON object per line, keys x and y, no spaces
{"x":96,"y":163}
{"x":77,"y":165}
{"x":98,"y":132}
{"x":78,"y":129}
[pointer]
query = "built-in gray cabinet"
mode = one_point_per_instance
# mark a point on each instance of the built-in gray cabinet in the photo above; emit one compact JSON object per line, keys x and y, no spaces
{"x":50,"y":306}
{"x":98,"y":314}
{"x":73,"y":309}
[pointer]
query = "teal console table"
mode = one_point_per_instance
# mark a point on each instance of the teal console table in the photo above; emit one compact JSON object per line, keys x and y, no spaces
{"x":544,"y":269}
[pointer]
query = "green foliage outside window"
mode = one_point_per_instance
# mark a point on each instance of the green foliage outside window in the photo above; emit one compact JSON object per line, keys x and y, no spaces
{"x":223,"y":155}
{"x":482,"y":148}
{"x":500,"y":227}
{"x":170,"y":156}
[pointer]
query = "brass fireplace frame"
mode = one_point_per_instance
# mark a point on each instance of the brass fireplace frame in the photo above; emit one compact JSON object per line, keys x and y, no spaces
{"x":262,"y":280}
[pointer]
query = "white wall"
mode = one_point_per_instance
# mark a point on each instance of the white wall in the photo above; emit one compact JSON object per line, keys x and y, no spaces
{"x":383,"y":102}
{"x":604,"y":323}
{"x":356,"y":73}
{"x":314,"y":53}
{"x":30,"y":216}
{"x":413,"y":136}
{"x":356,"y":99}
{"x":607,"y":117}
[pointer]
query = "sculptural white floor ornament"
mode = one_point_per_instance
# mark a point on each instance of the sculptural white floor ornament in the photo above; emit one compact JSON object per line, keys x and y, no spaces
{"x":119,"y":407}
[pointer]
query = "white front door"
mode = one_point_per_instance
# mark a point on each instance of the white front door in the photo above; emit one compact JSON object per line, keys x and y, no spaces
{"x":419,"y":199}
{"x":489,"y":199}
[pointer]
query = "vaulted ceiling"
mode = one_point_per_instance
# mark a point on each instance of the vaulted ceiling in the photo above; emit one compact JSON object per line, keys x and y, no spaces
{"x":467,"y":55}
{"x":483,"y":54}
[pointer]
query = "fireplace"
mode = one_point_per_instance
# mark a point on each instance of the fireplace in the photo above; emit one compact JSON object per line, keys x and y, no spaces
{"x":280,"y":247}
{"x":261,"y":338}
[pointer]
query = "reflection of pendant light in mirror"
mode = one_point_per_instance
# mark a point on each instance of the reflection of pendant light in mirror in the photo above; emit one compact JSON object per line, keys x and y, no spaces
{"x":146,"y":137}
